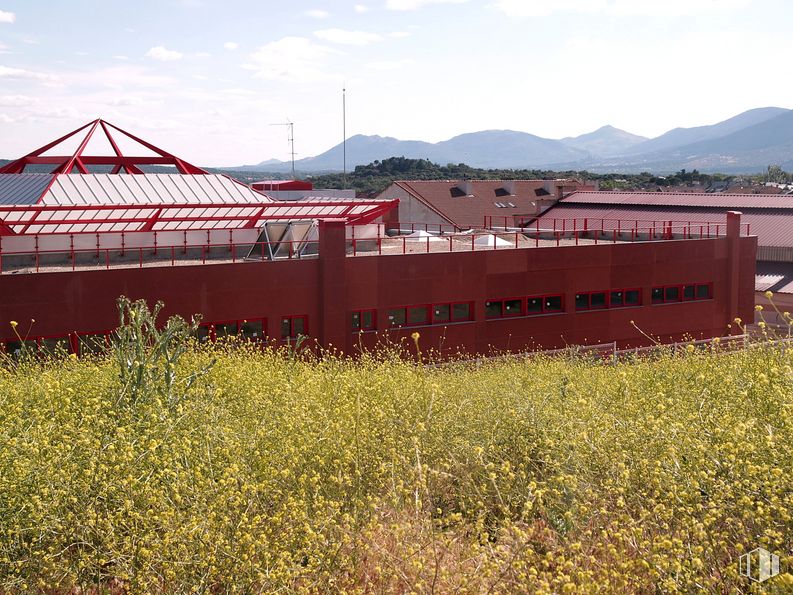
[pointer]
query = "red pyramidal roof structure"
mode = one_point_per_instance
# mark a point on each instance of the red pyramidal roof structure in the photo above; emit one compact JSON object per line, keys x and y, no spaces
{"x":71,"y":199}
{"x":79,"y":160}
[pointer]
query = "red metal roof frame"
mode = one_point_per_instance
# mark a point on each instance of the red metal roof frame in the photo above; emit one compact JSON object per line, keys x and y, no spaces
{"x":67,"y":163}
{"x":179,"y":217}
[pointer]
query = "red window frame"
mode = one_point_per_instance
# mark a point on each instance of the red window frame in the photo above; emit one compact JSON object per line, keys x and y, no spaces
{"x":406,"y":314}
{"x":681,"y":292}
{"x":292,"y":318}
{"x":452,"y":319}
{"x":707,"y":284}
{"x":215,"y":324}
{"x":361,"y":327}
{"x":606,"y":295}
{"x":246,"y":321}
{"x":543,"y":308}
{"x":212,"y":334}
{"x":624,"y":293}
{"x":503,"y":308}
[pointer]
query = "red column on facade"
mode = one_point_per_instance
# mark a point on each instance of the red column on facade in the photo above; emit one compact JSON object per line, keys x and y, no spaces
{"x":733,"y":264}
{"x":333,"y":284}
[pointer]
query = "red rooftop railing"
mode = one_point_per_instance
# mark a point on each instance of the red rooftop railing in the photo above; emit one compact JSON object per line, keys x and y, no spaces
{"x":603,"y":224}
{"x":36,"y":261}
{"x":541,"y":233}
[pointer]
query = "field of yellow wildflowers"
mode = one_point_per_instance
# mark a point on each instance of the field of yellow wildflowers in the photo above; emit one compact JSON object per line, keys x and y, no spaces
{"x":233,"y":468}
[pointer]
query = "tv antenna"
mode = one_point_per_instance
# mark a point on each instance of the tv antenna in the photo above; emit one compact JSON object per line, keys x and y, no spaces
{"x":291,"y":130}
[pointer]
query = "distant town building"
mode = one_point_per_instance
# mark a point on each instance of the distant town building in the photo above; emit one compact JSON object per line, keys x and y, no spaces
{"x":298,"y":190}
{"x":467,"y":204}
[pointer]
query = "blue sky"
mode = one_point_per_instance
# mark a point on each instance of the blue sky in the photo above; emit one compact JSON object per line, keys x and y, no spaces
{"x":205,"y":79}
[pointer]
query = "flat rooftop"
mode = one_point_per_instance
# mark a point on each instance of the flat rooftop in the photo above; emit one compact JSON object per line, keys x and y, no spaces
{"x":198,"y":255}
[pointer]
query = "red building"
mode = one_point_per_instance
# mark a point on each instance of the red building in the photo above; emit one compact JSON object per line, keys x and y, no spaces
{"x":767,"y":216}
{"x":71,"y":243}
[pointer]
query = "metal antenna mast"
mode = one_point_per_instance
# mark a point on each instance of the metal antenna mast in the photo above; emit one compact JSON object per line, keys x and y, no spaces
{"x":291,"y":140}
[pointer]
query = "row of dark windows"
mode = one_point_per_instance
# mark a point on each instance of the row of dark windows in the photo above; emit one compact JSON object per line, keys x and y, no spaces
{"x":422,"y":315}
{"x":292,"y":327}
{"x":253,"y":329}
{"x":682,"y":293}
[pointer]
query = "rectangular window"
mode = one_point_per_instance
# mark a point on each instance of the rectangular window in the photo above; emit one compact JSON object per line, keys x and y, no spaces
{"x":204,"y":333}
{"x":552,"y":303}
{"x":582,"y":301}
{"x":397,"y":317}
{"x":530,"y":306}
{"x":704,"y":291}
{"x":633,"y":297}
{"x":293,"y":326}
{"x":682,"y":293}
{"x":622,"y":298}
{"x":252,"y":330}
{"x":658,"y":295}
{"x":597,"y":300}
{"x":363,"y":320}
{"x":513,"y":307}
{"x":225,"y":329}
{"x":493,"y":309}
{"x":441,"y":313}
{"x":462,"y":312}
{"x":418,"y":315}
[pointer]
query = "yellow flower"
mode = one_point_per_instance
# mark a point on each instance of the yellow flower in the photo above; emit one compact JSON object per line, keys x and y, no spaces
{"x":415,"y":335}
{"x":738,"y":321}
{"x":758,"y":308}
{"x":769,"y":294}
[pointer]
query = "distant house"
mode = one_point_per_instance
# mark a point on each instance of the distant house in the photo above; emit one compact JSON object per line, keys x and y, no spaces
{"x":298,"y":190}
{"x":467,"y":204}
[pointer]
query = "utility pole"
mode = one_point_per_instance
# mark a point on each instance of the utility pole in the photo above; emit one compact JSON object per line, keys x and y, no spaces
{"x":291,"y":140}
{"x":344,"y":135}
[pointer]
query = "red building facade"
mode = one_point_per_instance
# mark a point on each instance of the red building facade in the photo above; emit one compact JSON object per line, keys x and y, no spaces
{"x":477,"y":303}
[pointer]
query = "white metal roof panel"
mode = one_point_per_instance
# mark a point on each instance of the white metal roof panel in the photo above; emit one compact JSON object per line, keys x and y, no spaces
{"x":114,"y":189}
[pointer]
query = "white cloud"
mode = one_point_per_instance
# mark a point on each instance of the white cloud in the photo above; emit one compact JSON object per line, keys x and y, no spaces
{"x":345,"y":37}
{"x":416,"y":4}
{"x":7,"y":17}
{"x":17,"y":101}
{"x":120,"y":57}
{"x":163,"y":55}
{"x":539,"y":8}
{"x":389,"y":64}
{"x":20,"y":73}
{"x":399,"y":34}
{"x":361,"y":8}
{"x":6,"y":119}
{"x":120,"y":77}
{"x":231,"y":45}
{"x":316,"y":13}
{"x":291,"y":59}
{"x":202,"y":54}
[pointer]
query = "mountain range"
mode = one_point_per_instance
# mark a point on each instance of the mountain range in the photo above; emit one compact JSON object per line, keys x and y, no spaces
{"x":745,"y":143}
